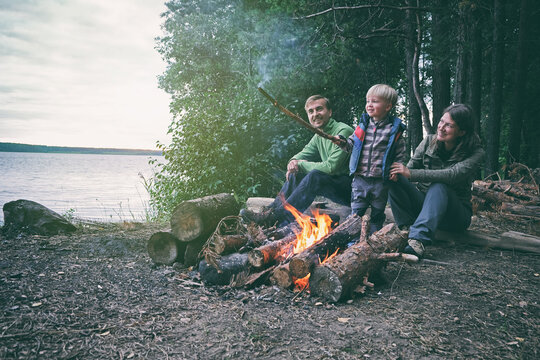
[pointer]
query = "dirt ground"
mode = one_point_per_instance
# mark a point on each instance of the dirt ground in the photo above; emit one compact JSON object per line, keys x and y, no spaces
{"x":97,"y":295}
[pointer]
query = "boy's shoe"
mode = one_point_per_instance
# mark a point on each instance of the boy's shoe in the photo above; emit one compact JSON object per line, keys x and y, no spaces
{"x":415,"y":247}
{"x":263,"y":218}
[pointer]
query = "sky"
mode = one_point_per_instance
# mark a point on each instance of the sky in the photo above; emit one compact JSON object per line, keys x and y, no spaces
{"x":82,"y":73}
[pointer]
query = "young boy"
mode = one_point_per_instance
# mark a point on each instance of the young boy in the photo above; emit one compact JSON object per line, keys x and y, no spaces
{"x":375,"y":144}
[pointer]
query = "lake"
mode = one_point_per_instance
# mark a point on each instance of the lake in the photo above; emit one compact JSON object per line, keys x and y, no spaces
{"x":94,"y":187}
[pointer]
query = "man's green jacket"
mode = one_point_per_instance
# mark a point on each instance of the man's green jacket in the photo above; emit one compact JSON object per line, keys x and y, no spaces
{"x":321,"y":154}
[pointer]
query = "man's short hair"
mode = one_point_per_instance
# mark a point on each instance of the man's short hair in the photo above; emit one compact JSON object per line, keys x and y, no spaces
{"x":384,"y":92}
{"x":318,"y":97}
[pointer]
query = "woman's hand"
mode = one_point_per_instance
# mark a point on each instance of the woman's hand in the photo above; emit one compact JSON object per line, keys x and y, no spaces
{"x":399,"y":169}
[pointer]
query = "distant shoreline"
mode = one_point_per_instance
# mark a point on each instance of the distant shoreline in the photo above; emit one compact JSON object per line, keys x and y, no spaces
{"x":14,"y":147}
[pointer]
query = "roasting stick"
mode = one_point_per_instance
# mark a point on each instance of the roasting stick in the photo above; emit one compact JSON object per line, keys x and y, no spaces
{"x":296,"y":118}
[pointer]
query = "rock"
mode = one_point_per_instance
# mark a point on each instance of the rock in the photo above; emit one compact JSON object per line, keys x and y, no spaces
{"x":33,"y":218}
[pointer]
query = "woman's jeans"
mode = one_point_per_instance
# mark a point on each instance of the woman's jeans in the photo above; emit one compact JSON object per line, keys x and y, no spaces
{"x":438,"y":208}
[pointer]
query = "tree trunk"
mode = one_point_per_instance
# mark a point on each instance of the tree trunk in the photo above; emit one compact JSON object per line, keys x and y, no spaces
{"x":462,"y":60}
{"x":336,"y":279}
{"x":415,"y":21}
{"x":441,"y":66}
{"x":303,"y":263}
{"x":165,"y":249}
{"x":520,"y":86}
{"x":414,"y":127}
{"x":496,"y":92}
{"x":475,"y":69}
{"x":196,"y":219}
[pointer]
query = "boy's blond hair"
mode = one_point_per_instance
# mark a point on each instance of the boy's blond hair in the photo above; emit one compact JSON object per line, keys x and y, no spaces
{"x":385,"y":92}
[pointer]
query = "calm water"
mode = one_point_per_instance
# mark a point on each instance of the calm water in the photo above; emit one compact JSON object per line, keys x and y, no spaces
{"x":96,"y":187}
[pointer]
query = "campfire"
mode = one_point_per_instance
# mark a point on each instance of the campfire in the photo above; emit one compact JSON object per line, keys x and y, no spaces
{"x":307,"y":254}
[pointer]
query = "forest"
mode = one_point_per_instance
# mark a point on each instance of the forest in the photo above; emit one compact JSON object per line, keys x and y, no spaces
{"x":226,"y":137}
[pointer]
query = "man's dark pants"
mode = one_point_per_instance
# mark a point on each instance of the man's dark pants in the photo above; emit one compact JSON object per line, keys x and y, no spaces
{"x":301,"y":189}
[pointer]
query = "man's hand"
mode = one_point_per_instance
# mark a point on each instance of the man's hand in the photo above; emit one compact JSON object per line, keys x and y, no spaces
{"x":397,"y":169}
{"x":292,"y":168}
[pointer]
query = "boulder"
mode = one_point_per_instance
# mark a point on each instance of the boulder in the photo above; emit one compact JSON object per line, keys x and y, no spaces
{"x":26,"y":216}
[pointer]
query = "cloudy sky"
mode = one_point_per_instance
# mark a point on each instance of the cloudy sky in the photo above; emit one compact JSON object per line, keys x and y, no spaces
{"x":82,"y":73}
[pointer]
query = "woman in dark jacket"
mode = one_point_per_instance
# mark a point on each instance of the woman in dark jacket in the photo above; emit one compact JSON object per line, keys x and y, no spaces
{"x":442,"y":169}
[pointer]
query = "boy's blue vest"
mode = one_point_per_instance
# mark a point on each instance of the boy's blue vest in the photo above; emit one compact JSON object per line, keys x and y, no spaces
{"x":358,"y":137}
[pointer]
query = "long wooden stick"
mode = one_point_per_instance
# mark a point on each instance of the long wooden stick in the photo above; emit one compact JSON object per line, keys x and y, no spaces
{"x":295,"y":117}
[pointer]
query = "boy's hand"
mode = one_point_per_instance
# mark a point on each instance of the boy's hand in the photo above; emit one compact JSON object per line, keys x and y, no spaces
{"x":292,"y":168}
{"x":399,"y":169}
{"x":339,"y":140}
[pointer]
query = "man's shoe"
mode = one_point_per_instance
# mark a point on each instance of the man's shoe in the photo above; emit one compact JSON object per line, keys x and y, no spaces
{"x":415,"y":247}
{"x":263,"y":218}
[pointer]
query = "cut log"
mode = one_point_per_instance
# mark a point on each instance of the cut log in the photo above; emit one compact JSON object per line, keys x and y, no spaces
{"x":165,"y":249}
{"x":492,"y":196}
{"x":270,"y":252}
{"x":192,"y":253}
{"x":197,"y":219}
{"x":227,"y":244}
{"x":337,"y":278}
{"x":253,"y":280}
{"x":303,"y":263}
{"x":281,"y":276}
{"x":228,"y":265}
{"x":523,"y":210}
{"x":510,"y":240}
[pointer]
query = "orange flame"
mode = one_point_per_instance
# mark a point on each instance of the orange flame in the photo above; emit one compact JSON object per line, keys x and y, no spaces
{"x":328,"y":257}
{"x":311,"y":233}
{"x":301,"y":284}
{"x":309,"y":236}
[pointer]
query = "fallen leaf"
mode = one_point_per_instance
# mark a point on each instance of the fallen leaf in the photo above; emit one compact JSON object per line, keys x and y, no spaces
{"x":343,"y":320}
{"x":318,"y":303}
{"x":522,"y":303}
{"x":520,"y":339}
{"x":105,"y":333}
{"x":36,"y":304}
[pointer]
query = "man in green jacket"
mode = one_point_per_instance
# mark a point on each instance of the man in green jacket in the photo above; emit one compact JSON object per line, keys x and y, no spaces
{"x":321,"y":168}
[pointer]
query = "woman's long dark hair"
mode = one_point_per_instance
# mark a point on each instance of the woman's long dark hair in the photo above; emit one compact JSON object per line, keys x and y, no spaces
{"x":462,"y":115}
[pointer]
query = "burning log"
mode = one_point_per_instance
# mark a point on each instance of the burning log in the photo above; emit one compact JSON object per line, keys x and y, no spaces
{"x":337,"y":278}
{"x":303,"y":263}
{"x":195,"y":220}
{"x":165,"y":249}
{"x":270,"y":252}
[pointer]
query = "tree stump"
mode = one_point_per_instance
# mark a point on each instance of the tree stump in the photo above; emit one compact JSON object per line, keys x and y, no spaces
{"x":337,"y":278}
{"x":197,"y":219}
{"x":165,"y":249}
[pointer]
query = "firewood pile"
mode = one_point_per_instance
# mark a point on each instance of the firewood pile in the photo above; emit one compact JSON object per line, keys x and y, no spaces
{"x":333,"y":259}
{"x":517,"y":197}
{"x":314,"y":252}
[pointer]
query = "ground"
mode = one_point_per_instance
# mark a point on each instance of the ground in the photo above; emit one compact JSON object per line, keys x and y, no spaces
{"x":97,"y":295}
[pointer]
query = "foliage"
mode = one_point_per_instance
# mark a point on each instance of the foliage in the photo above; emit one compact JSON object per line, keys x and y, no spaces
{"x":228,"y":138}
